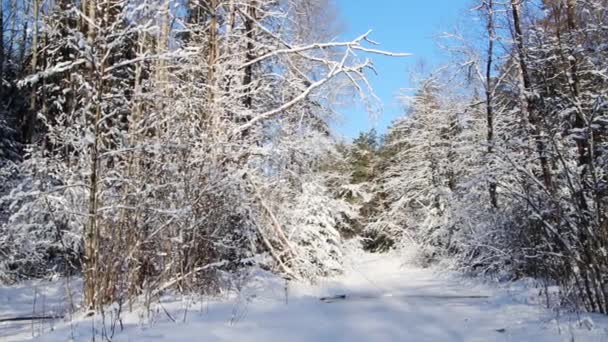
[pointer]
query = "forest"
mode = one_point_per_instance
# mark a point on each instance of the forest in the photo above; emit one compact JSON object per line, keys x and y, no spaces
{"x":149,"y":146}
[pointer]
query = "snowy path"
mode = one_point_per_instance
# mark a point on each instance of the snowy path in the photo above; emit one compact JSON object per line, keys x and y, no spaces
{"x":385,"y":302}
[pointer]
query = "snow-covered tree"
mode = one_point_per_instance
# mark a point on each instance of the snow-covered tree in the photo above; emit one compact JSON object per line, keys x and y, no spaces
{"x":430,"y":151}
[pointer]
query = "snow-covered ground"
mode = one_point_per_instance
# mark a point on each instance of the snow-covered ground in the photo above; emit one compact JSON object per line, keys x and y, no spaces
{"x":385,"y":301}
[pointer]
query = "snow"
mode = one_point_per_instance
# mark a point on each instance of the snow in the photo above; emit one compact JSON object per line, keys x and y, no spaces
{"x":35,"y":298}
{"x":386,"y":300}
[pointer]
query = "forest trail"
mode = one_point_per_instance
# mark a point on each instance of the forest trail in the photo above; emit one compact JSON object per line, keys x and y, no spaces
{"x":377,"y":299}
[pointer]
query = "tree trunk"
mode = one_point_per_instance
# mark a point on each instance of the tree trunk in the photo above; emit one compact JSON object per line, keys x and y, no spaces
{"x":162,"y":45}
{"x":212,"y":56}
{"x":213,"y":47}
{"x":250,"y":55}
{"x":490,"y":95}
{"x":1,"y":49}
{"x":30,"y":121}
{"x":532,"y":104}
{"x":91,"y":253}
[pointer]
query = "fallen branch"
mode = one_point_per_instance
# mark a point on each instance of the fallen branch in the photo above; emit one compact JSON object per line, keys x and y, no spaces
{"x":331,"y":299}
{"x":29,"y":318}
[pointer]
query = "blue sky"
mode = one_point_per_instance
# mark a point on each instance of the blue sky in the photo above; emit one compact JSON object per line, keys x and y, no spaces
{"x":400,"y":26}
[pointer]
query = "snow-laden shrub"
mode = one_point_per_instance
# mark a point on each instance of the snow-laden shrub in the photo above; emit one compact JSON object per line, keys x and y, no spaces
{"x":42,"y":230}
{"x":312,"y":223}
